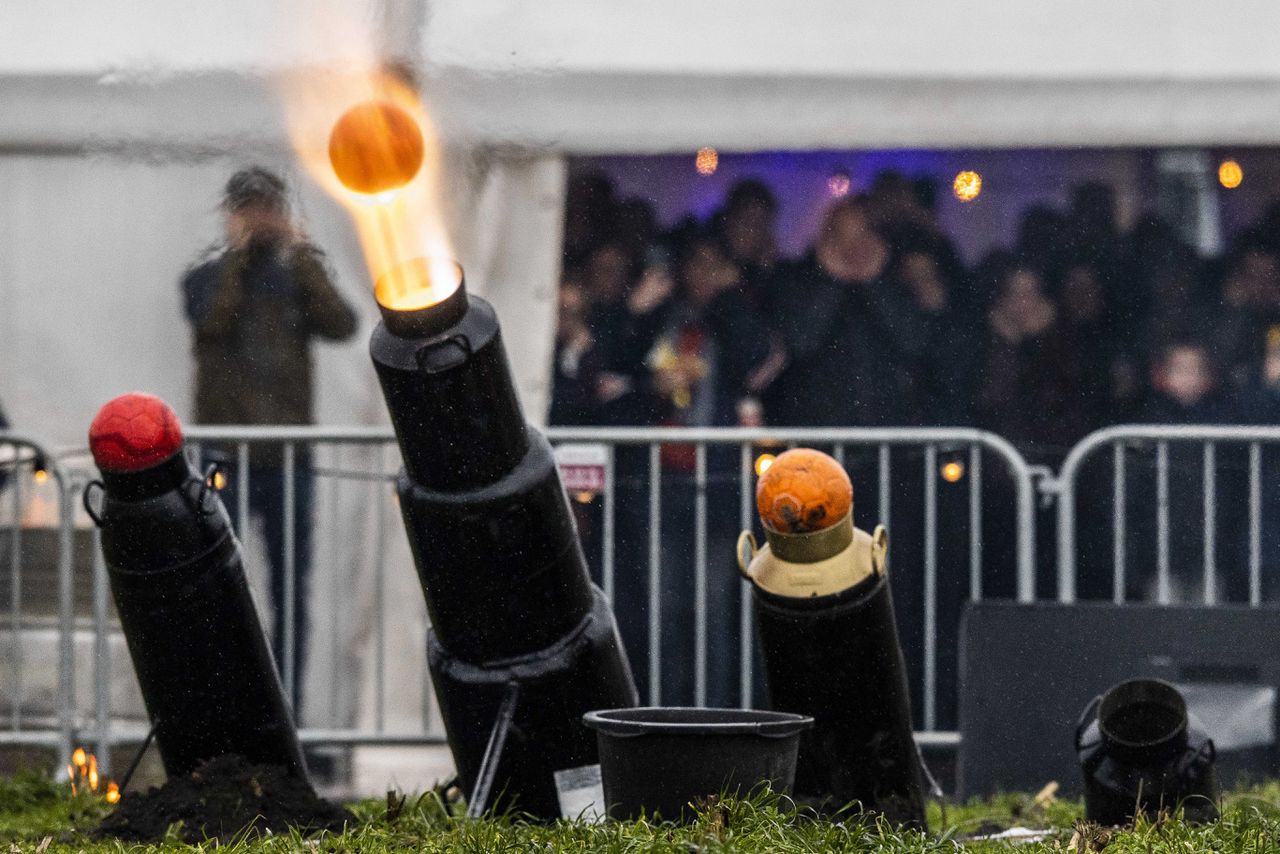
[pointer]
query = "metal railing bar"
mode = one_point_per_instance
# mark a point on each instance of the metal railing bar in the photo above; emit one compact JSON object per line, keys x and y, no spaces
{"x":380,"y":596}
{"x":66,"y":615}
{"x":700,"y":577}
{"x":334,"y":589}
{"x":885,"y":498}
{"x":243,"y":523}
{"x":655,"y":575}
{"x":1255,"y":524}
{"x":609,"y":532}
{"x":101,"y":656}
{"x":1163,"y":589}
{"x":975,"y":523}
{"x":930,"y":586}
{"x":290,"y":572}
{"x":1118,"y":513}
{"x":1210,"y":524}
{"x":745,"y":632}
{"x":15,"y":594}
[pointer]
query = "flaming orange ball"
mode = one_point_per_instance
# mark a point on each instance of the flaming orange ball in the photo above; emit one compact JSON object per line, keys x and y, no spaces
{"x":376,"y":147}
{"x":804,"y":490}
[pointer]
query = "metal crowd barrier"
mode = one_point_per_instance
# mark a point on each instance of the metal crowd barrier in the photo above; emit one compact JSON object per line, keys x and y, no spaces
{"x":840,"y":440}
{"x":24,"y":459}
{"x":93,"y":723}
{"x":1123,"y":441}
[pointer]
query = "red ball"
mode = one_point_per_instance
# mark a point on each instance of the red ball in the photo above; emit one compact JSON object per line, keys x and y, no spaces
{"x":134,"y":432}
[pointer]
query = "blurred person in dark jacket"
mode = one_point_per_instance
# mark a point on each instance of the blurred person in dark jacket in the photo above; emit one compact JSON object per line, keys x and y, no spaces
{"x":1184,"y":390}
{"x":849,"y":332}
{"x":1250,"y":294}
{"x":747,"y":225}
{"x":1094,"y":375}
{"x":255,"y":307}
{"x":573,"y":399}
{"x":625,"y":297}
{"x":942,"y":373}
{"x":1023,"y":388}
{"x":590,"y":206}
{"x":1260,"y":404}
{"x":713,"y":357}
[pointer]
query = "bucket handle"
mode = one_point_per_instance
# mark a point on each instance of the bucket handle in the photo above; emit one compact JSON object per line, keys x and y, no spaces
{"x":1206,"y":753}
{"x":86,"y":499}
{"x":746,"y":552}
{"x":1086,"y":718}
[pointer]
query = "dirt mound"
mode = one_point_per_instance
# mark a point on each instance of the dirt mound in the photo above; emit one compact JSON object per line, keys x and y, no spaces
{"x":220,"y":799}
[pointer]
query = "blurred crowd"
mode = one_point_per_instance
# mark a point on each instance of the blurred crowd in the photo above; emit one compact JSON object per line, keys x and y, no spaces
{"x":1075,"y":325}
{"x":1078,"y":323}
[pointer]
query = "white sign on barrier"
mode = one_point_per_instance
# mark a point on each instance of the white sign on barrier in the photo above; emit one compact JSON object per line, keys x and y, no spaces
{"x":583,"y":467}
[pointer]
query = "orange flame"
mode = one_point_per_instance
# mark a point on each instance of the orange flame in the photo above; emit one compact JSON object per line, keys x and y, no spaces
{"x":362,"y":133}
{"x":84,"y":777}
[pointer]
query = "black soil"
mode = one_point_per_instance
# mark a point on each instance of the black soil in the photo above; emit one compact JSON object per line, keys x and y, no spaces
{"x":221,"y":799}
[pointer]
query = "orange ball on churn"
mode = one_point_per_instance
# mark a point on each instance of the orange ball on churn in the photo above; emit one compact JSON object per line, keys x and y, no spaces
{"x":376,"y":147}
{"x":804,"y":490}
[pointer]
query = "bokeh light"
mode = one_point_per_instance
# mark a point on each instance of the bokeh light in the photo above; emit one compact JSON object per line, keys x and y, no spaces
{"x":838,"y":184}
{"x":967,"y":185}
{"x":1230,"y":174}
{"x":707,"y":161}
{"x":952,"y":471}
{"x":763,"y":462}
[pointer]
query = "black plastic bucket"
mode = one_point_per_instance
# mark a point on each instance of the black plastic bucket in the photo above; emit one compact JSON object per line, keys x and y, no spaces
{"x":658,"y":760}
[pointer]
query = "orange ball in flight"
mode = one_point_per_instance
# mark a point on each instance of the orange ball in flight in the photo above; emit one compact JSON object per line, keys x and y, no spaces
{"x":376,"y":147}
{"x":804,"y":490}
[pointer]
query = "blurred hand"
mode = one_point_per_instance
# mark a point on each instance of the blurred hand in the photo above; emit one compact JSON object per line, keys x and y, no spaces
{"x":931,"y":296}
{"x":750,"y":413}
{"x":260,"y":223}
{"x":611,"y":386}
{"x":1271,"y":369}
{"x":653,"y":289}
{"x":1005,"y":325}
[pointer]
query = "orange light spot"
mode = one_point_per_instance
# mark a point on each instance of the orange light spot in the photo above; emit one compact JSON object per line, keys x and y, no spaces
{"x":763,"y":462}
{"x":1230,"y":175}
{"x":967,"y":186}
{"x":79,"y":758}
{"x":376,"y":147}
{"x":584,"y":497}
{"x":41,"y":475}
{"x":93,"y":773}
{"x":803,"y":490}
{"x":952,"y":472}
{"x":113,"y":793}
{"x":706,"y":161}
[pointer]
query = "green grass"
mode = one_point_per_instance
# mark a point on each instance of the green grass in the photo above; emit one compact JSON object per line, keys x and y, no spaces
{"x":40,"y":816}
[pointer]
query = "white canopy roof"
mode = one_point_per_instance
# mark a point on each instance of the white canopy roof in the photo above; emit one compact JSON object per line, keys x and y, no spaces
{"x":668,"y":75}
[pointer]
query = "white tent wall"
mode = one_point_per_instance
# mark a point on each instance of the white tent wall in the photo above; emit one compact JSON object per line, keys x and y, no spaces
{"x":115,"y":140}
